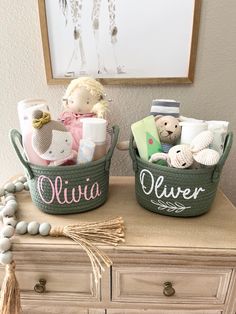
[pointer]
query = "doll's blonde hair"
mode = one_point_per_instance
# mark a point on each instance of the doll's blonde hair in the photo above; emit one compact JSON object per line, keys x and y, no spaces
{"x":95,"y":89}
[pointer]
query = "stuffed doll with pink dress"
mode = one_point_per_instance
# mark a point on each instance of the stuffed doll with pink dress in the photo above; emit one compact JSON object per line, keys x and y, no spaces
{"x":52,"y":141}
{"x":84,"y":98}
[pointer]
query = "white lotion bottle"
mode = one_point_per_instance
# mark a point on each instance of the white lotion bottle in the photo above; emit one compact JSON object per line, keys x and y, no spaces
{"x":94,"y":129}
{"x":23,"y":113}
{"x":25,"y":109}
{"x":219,"y":129}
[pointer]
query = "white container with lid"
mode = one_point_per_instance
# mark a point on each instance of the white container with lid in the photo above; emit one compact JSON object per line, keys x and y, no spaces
{"x":25,"y":109}
{"x":190,"y":129}
{"x":219,"y":129}
{"x":94,"y":129}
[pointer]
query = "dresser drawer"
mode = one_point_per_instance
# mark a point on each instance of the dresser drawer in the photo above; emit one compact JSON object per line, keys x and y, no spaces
{"x":59,"y":309}
{"x":146,"y":284}
{"x":138,"y":311}
{"x":63,"y":282}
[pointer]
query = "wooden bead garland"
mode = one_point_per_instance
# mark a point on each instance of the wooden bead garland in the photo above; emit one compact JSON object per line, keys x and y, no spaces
{"x":10,"y":292}
{"x":108,"y":232}
{"x":7,"y":214}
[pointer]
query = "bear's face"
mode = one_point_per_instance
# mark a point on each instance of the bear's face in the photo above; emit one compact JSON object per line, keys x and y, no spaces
{"x":168,"y":129}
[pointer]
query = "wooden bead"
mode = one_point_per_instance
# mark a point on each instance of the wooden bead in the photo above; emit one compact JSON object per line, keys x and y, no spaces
{"x":22,"y":179}
{"x":21,"y":227}
{"x":10,"y":187}
{"x":7,"y":232}
{"x":44,"y":228}
{"x":19,"y":186}
{"x":8,"y":211}
{"x":5,"y":244}
{"x":9,"y":194}
{"x":26,"y":185}
{"x":2,"y":192}
{"x":10,"y":197}
{"x":9,"y":221}
{"x":33,"y":227}
{"x":13,"y":204}
{"x":6,"y":257}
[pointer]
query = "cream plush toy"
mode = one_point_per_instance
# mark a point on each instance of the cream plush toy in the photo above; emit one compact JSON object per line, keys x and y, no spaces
{"x":51,"y":140}
{"x":84,"y":98}
{"x":183,"y":156}
{"x":169,"y":131}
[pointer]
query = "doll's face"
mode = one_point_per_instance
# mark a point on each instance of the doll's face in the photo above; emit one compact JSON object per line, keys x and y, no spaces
{"x":60,"y":148}
{"x":81,"y":101}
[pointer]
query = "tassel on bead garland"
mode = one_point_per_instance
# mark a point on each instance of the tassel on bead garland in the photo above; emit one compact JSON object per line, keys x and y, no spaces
{"x":10,"y":292}
{"x":110,"y":232}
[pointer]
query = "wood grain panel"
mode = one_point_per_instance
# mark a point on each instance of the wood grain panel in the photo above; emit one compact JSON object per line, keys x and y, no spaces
{"x":64,"y":282}
{"x":60,"y":309}
{"x":44,"y":309}
{"x":145,"y":284}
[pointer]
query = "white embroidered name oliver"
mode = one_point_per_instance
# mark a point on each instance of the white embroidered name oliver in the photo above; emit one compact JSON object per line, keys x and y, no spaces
{"x":162,"y":190}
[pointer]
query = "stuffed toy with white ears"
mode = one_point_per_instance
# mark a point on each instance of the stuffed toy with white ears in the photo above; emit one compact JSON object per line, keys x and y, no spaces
{"x":183,"y":156}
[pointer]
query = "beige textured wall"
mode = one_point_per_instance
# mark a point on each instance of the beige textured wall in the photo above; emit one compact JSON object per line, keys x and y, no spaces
{"x":212,"y":96}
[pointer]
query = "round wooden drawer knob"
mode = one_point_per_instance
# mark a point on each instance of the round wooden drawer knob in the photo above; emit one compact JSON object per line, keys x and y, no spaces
{"x":168,"y":290}
{"x":40,"y":287}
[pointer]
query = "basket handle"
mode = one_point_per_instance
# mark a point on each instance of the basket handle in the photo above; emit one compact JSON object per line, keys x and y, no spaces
{"x":132,"y":153}
{"x":220,"y":164}
{"x":109,"y":154}
{"x":14,"y":137}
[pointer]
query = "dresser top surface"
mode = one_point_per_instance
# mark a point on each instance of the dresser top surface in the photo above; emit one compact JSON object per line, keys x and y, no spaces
{"x":214,"y":230}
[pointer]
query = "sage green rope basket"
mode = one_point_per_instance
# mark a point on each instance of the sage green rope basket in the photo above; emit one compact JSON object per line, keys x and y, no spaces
{"x":67,"y":189}
{"x":176,"y":192}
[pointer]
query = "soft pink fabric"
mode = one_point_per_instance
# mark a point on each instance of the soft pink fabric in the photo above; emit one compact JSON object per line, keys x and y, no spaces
{"x":68,"y":161}
{"x":73,"y":124}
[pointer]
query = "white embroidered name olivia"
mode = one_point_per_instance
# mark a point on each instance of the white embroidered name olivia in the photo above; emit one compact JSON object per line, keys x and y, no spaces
{"x":161,"y":190}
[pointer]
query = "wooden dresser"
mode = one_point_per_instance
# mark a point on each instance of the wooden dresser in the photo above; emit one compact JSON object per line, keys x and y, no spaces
{"x":167,"y":265}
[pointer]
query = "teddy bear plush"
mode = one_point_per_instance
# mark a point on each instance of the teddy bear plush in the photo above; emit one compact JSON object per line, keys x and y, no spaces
{"x":169,"y":131}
